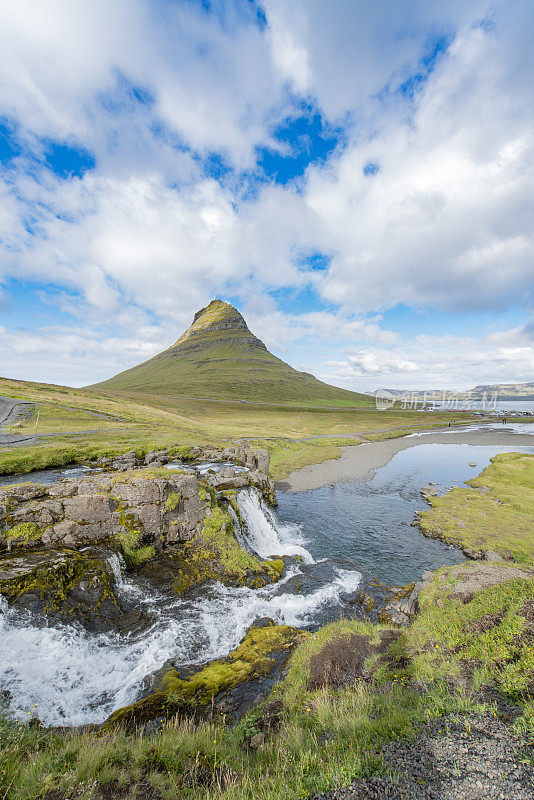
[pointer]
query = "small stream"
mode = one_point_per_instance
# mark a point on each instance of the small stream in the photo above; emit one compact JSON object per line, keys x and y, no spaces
{"x":343,"y":535}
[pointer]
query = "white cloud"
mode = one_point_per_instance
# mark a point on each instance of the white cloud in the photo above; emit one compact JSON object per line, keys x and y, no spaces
{"x":445,"y":223}
{"x":434,"y":362}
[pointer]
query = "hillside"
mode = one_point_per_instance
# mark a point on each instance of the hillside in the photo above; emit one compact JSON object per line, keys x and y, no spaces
{"x":507,"y":391}
{"x":219,"y":358}
{"x":504,"y":391}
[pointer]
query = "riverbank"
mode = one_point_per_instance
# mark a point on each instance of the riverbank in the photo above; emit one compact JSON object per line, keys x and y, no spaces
{"x":357,"y":463}
{"x":464,"y":668}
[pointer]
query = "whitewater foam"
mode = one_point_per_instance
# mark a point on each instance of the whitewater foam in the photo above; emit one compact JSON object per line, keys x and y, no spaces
{"x":75,"y":677}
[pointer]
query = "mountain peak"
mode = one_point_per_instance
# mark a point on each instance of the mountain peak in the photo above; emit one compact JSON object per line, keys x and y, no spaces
{"x":218,"y":320}
{"x":218,"y":357}
{"x":217,"y":309}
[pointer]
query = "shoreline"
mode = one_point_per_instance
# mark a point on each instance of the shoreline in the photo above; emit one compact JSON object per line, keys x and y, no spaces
{"x":358,"y":462}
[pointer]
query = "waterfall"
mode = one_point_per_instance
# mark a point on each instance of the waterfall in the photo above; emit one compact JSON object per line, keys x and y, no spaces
{"x":263,"y":534}
{"x":117,"y":565}
{"x":75,"y":677}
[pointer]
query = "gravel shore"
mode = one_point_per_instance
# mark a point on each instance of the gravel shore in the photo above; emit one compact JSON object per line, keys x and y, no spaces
{"x":359,"y":462}
{"x":474,"y":758}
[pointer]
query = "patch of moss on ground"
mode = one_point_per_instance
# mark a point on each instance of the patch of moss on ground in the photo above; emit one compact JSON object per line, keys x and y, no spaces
{"x":497,"y":518}
{"x":27,"y":531}
{"x":251,"y":658}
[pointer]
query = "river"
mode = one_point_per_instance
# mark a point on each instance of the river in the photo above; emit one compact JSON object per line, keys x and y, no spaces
{"x":343,"y":535}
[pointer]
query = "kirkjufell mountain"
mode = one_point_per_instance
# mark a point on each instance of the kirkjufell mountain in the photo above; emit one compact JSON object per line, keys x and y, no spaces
{"x":218,"y":357}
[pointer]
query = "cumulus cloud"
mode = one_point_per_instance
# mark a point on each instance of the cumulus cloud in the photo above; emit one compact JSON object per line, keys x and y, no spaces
{"x":437,"y":96}
{"x":439,"y":362}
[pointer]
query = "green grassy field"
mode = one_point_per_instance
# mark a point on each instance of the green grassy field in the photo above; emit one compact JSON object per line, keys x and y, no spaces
{"x":499,"y":517}
{"x":143,"y":422}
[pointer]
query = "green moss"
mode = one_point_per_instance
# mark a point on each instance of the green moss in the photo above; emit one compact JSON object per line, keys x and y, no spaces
{"x":172,"y":501}
{"x":28,"y":531}
{"x":215,"y":554}
{"x":52,"y":583}
{"x":134,"y":553}
{"x":276,"y":565}
{"x":251,"y":659}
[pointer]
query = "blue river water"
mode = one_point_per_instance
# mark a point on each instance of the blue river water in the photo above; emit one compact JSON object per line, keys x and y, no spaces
{"x":368,"y":522}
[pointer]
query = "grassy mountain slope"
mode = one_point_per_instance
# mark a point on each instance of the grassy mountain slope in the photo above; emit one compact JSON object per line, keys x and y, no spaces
{"x":218,"y":357}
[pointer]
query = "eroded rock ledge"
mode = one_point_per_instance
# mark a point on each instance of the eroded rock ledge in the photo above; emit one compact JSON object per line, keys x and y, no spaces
{"x":57,"y":542}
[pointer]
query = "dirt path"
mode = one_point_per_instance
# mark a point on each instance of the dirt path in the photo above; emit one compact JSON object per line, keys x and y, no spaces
{"x":11,"y":410}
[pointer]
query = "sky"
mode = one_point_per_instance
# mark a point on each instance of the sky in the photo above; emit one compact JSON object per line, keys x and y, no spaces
{"x":356,"y":178}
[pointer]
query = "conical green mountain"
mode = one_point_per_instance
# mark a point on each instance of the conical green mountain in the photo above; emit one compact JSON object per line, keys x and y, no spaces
{"x":219,"y":358}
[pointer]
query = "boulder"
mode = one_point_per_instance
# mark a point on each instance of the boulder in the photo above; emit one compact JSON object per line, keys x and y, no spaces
{"x":137,"y":491}
{"x":23,"y":492}
{"x":428,"y":491}
{"x":65,"y":586}
{"x":94,"y":485}
{"x":90,"y":508}
{"x":63,"y":489}
{"x":233,"y":481}
{"x":491,"y":555}
{"x":157,"y":456}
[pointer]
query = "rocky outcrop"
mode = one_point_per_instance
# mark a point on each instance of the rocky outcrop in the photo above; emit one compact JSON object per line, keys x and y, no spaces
{"x":463,"y":582}
{"x":158,"y":507}
{"x":227,"y":687}
{"x":254,"y":460}
{"x":66,"y":585}
{"x":176,"y":520}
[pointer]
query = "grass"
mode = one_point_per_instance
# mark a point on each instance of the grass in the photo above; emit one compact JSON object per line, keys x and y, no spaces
{"x":498,"y":518}
{"x":219,"y":357}
{"x":54,"y":418}
{"x":326,"y":736}
{"x":490,"y":638}
{"x":154,"y":422}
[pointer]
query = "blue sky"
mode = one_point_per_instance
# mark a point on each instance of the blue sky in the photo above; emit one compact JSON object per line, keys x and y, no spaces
{"x":356,"y":178}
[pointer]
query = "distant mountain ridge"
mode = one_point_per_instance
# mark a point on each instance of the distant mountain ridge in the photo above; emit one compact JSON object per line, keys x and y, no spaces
{"x":218,"y":357}
{"x":504,"y":391}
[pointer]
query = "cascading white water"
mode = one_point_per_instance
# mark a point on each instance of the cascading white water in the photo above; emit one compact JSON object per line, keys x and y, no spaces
{"x":263,"y":535}
{"x":75,"y":677}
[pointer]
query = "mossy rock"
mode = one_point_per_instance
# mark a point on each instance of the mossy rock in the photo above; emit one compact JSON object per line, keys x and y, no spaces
{"x":24,"y":533}
{"x":216,"y":555}
{"x":263,"y":651}
{"x":65,"y":585}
